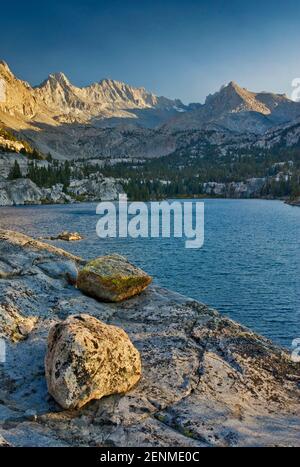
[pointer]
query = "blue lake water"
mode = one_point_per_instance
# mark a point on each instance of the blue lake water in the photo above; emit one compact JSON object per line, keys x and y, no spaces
{"x":248,"y":268}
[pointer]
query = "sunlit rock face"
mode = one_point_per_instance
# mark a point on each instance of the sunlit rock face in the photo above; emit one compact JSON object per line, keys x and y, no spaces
{"x":23,"y":191}
{"x":20,"y":191}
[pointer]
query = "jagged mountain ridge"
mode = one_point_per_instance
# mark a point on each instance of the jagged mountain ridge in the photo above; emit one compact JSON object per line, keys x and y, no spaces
{"x":111,"y":119}
{"x":57,"y":90}
{"x":57,"y":100}
{"x":103,"y":100}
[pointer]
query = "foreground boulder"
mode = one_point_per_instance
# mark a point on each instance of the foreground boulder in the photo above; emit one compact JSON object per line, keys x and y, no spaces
{"x":87,"y":360}
{"x":112,"y":279}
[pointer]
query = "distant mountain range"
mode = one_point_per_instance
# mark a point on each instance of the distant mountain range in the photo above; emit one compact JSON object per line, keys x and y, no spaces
{"x":237,"y":109}
{"x":111,"y":119}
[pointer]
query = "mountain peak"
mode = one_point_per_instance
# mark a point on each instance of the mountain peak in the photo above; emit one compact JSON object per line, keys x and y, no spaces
{"x":59,"y":78}
{"x":5,"y":67}
{"x":53,"y":80}
{"x":231,"y":94}
{"x":235,"y":86}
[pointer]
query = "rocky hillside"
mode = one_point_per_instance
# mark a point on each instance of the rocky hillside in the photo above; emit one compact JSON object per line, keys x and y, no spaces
{"x":206,"y":380}
{"x":286,"y":136}
{"x":10,"y":143}
{"x":23,"y":191}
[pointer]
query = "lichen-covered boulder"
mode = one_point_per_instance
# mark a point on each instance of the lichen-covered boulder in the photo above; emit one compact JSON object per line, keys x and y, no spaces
{"x":112,"y":279}
{"x":87,"y":359}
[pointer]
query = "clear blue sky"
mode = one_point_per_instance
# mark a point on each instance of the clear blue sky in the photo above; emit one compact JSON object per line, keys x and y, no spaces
{"x":183,"y":49}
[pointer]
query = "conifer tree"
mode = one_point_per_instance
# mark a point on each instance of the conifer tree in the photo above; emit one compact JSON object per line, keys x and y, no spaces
{"x":15,"y":171}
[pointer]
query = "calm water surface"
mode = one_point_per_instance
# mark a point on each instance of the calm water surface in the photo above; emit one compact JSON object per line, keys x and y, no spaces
{"x":248,"y":269}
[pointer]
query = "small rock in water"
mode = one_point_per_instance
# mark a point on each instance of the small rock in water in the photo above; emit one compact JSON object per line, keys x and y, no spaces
{"x":65,"y":235}
{"x":68,"y":236}
{"x":87,"y":359}
{"x":112,"y":279}
{"x":31,"y":414}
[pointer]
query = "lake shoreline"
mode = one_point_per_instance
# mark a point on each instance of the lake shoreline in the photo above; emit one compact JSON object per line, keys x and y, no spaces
{"x":179,"y":197}
{"x":220,"y":273}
